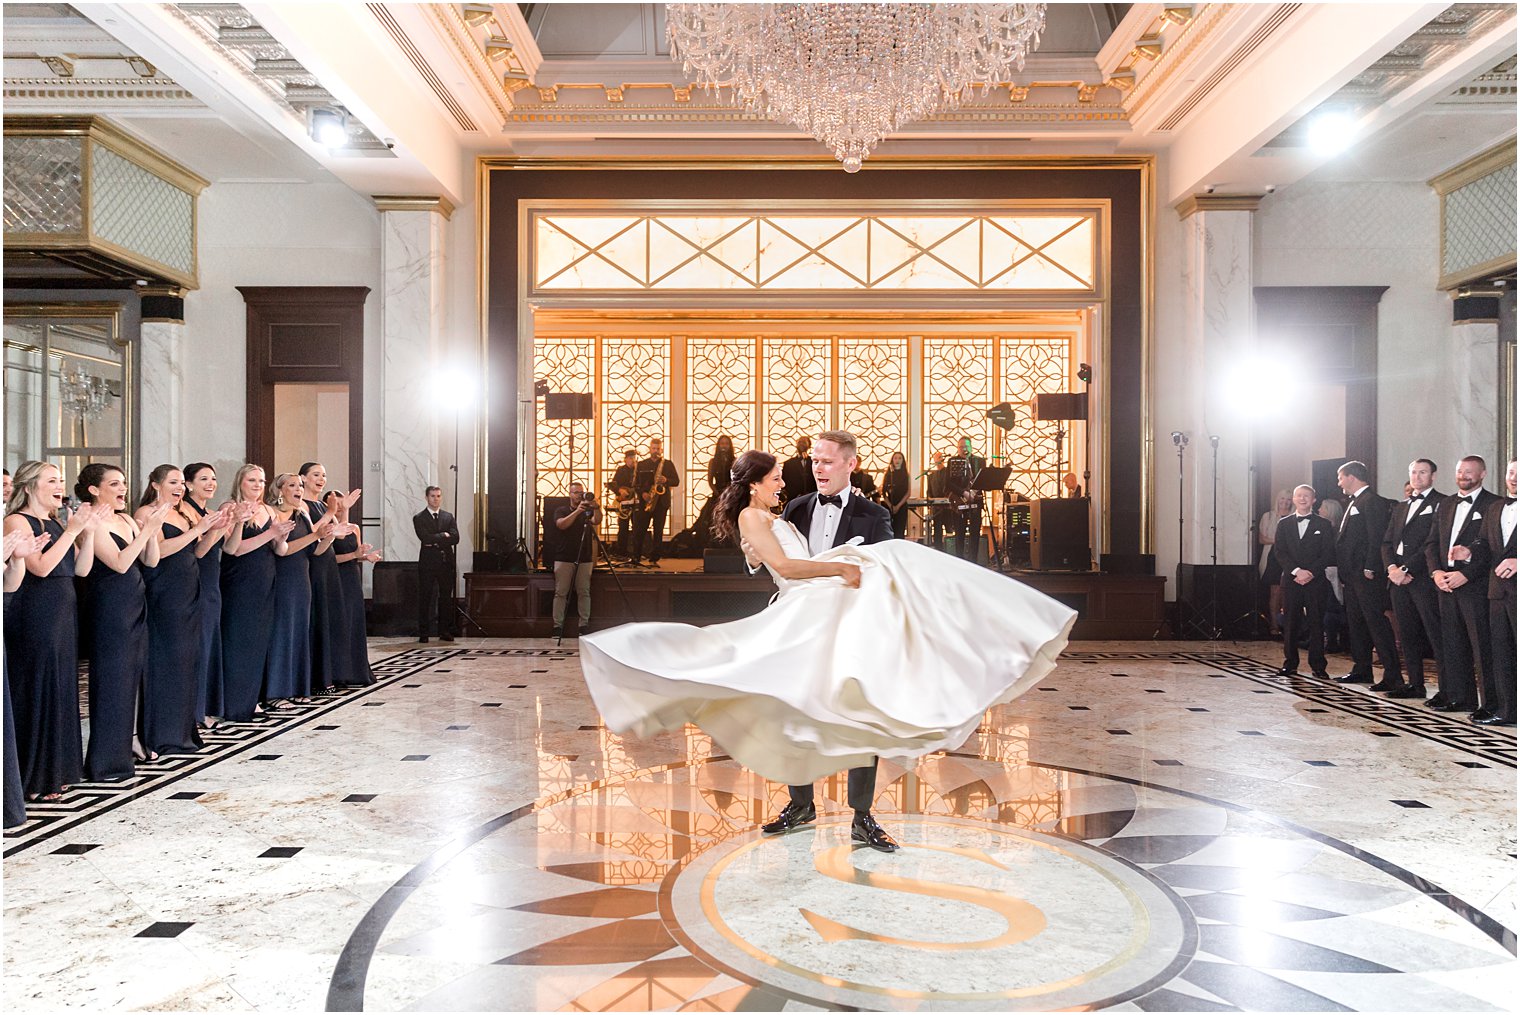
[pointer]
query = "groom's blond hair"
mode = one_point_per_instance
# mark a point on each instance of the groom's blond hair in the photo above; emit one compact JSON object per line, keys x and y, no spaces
{"x":844,"y":439}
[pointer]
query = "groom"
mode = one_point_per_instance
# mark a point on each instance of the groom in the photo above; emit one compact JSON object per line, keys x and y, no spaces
{"x":832,"y":517}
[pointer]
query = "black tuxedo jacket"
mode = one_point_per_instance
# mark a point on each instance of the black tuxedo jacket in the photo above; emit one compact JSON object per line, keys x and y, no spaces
{"x":644,"y":480}
{"x":1476,"y":568}
{"x":797,"y":474}
{"x":1359,"y":540}
{"x":860,"y":518}
{"x":438,"y":538}
{"x":1313,"y":553}
{"x":1498,"y":549}
{"x":1412,"y":532}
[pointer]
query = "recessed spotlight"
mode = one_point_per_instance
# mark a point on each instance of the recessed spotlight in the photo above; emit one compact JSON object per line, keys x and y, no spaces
{"x":1331,"y":132}
{"x":328,"y":127}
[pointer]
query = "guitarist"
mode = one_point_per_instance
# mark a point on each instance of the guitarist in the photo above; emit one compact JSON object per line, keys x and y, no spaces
{"x":654,"y":478}
{"x":622,"y":495}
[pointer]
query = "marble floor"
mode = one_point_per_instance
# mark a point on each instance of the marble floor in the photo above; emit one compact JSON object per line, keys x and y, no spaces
{"x":1157,"y":826}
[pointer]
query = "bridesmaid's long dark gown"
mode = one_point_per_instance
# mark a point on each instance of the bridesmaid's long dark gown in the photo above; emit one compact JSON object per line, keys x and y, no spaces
{"x":358,"y":673}
{"x":330,"y":654}
{"x":15,"y":796}
{"x":287,"y":671}
{"x":42,"y":649}
{"x":174,"y":647}
{"x":208,"y":665}
{"x":118,"y":664}
{"x":247,"y":616}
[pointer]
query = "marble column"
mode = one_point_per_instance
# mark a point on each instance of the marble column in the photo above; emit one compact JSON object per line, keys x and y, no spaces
{"x":1216,"y":344}
{"x":1475,"y":397}
{"x":160,"y":393}
{"x":416,"y":435}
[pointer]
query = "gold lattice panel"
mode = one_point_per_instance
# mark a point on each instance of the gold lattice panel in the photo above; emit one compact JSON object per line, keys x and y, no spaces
{"x":799,"y":390}
{"x":720,"y":399}
{"x":1027,"y":367}
{"x":873,"y":396}
{"x":567,"y":364}
{"x":958,"y":378}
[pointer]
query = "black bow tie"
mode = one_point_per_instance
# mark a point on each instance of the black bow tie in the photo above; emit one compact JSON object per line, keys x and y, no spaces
{"x":1417,"y":496}
{"x":1464,"y":500}
{"x":831,"y":498}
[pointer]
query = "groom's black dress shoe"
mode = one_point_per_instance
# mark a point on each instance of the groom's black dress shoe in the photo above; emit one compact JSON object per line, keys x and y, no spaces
{"x":792,"y":816}
{"x":865,"y":829}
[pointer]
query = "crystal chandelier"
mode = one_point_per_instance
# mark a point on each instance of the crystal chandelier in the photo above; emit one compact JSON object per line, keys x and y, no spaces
{"x":851,"y":73}
{"x":83,"y":394}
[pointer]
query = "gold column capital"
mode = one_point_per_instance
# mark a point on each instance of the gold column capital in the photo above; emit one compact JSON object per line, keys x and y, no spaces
{"x":1217,"y":202}
{"x":403,"y":202}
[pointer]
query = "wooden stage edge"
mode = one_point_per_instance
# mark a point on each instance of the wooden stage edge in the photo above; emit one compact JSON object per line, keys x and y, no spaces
{"x":1109,"y":606}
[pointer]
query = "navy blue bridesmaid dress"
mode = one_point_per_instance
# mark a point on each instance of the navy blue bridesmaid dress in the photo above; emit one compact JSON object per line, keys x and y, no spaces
{"x":247,"y":617}
{"x":42,"y":649}
{"x":287,"y":671}
{"x":174,"y":646}
{"x":15,"y":796}
{"x":118,"y":664}
{"x":358,"y":673}
{"x":208,"y":664}
{"x":330,"y":653}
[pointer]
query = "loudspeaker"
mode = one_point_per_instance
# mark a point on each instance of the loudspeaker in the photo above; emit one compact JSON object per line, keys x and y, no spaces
{"x":393,"y":606}
{"x":723,"y":561}
{"x":1058,"y":534}
{"x":568,"y":405}
{"x":1127,"y":563}
{"x":1061,"y":405}
{"x":1222,"y":597}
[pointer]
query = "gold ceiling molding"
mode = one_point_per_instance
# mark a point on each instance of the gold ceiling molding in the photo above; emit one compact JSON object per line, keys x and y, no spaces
{"x":1165,"y":43}
{"x":401,"y":202}
{"x":113,"y":137}
{"x":664,"y":163}
{"x":1475,"y":168}
{"x":597,"y":96}
{"x":1217,"y":202}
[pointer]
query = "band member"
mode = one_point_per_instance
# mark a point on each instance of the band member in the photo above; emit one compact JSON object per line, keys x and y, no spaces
{"x":862,"y":480}
{"x":439,"y":535}
{"x":719,"y":475}
{"x":1457,"y":557}
{"x":971,"y":499}
{"x":895,"y":484}
{"x":1305,"y":547}
{"x":1364,"y":576}
{"x":797,"y":471}
{"x":1499,"y":536}
{"x":654,"y":478}
{"x":1414,"y":596}
{"x":945,"y":518}
{"x":574,"y":552}
{"x":622,"y":487}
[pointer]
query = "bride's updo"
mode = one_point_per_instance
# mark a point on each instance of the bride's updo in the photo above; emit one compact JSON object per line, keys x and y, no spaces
{"x":751,"y":467}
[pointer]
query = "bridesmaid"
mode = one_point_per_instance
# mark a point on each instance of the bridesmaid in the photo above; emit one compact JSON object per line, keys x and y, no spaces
{"x":119,"y":624}
{"x":18,"y":547}
{"x":174,"y":616}
{"x":42,"y":631}
{"x":248,"y":596}
{"x":200,"y":480}
{"x":330,"y":652}
{"x":351,"y":554}
{"x":287,"y":671}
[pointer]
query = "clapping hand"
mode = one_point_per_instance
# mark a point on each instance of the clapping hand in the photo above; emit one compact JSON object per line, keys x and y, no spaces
{"x":24,"y":544}
{"x":325,"y":529}
{"x":160,"y":511}
{"x":351,"y":498}
{"x":282,"y":529}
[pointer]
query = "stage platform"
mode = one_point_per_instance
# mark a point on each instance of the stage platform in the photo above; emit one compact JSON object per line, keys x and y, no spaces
{"x":521,"y":605}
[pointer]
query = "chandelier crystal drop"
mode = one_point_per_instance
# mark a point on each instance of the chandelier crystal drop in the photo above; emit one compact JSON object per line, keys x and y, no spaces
{"x":851,"y":73}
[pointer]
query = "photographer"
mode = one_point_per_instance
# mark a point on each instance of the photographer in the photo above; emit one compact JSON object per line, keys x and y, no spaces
{"x":573,"y":555}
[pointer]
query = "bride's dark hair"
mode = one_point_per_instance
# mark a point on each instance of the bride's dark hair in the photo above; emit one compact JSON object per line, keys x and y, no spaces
{"x":751,"y":467}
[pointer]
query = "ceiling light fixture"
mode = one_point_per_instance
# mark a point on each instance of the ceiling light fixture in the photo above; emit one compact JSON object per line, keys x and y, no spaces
{"x":1331,"y":132}
{"x":852,"y":73}
{"x":328,"y":127}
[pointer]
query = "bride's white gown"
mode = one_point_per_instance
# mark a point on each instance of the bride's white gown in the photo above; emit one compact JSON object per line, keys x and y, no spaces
{"x":827,"y":677}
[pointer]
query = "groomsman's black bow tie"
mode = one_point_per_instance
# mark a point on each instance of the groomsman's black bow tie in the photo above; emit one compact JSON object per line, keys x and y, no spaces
{"x":1464,"y":500}
{"x":1417,"y":496}
{"x":831,"y":498}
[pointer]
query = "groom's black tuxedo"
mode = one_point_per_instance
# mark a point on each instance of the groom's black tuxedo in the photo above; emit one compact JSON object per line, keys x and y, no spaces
{"x":873,"y":523}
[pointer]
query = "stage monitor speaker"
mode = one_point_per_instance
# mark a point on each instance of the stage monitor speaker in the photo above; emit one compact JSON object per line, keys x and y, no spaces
{"x":724,"y":560}
{"x":569,"y":405}
{"x":1222,"y":598}
{"x":1060,"y":405}
{"x":1058,"y":534}
{"x":1127,"y":563}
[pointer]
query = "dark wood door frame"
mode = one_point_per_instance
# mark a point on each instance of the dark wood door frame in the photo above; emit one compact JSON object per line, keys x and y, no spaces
{"x":304,"y":335}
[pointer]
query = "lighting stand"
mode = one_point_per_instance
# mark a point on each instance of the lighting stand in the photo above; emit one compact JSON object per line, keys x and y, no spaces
{"x":1194,"y":624}
{"x":462,"y":615}
{"x":1214,"y":631}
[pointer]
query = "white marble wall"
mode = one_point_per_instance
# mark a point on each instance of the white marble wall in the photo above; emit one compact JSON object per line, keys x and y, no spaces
{"x":414,"y":413}
{"x":1206,"y":346}
{"x":1474,"y":402}
{"x":160,"y":394}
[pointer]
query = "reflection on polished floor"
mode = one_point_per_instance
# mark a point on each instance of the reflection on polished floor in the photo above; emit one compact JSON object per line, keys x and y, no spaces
{"x":1158,"y":826}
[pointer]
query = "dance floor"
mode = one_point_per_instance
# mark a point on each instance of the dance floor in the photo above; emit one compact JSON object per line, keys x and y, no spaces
{"x":1158,"y":826}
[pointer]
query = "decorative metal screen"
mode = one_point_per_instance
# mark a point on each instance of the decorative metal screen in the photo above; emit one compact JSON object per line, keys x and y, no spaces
{"x":1032,"y":251}
{"x":44,"y":185}
{"x":873,"y":396}
{"x":1480,"y":221}
{"x":720,"y":399}
{"x":140,"y":212}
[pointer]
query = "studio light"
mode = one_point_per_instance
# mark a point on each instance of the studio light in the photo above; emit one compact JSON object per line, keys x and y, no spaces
{"x":453,"y":387}
{"x":1331,"y":132}
{"x":1260,"y":388}
{"x":328,"y":127}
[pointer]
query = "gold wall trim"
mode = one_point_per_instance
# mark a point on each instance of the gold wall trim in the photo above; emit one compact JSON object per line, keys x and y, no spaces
{"x":876,"y":162}
{"x":1195,"y":203}
{"x":100,"y":129}
{"x":1473,"y":273}
{"x":1475,"y":168}
{"x":401,"y":202}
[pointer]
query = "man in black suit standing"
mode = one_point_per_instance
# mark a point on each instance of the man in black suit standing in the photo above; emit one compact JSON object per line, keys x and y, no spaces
{"x":654,"y":478}
{"x":1414,"y":596}
{"x":439,"y":535}
{"x":1499,"y":537}
{"x":1305,"y":547}
{"x":1359,"y":560}
{"x":1458,"y":560}
{"x":970,"y":507}
{"x":832,"y":516}
{"x":797,"y":471}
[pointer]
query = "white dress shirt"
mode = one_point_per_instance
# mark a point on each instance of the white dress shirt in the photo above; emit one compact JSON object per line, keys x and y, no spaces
{"x":1507,"y":521}
{"x":826,"y":523}
{"x":1416,"y":503}
{"x":1460,"y":519}
{"x":1303,"y":526}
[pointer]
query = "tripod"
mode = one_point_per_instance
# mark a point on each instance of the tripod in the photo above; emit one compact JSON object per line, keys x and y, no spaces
{"x":462,"y":616}
{"x":1194,"y":624}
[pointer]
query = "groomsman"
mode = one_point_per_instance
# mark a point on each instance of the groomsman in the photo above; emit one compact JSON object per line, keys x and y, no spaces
{"x":1359,"y":562}
{"x":1305,"y":547}
{"x":1414,"y":595}
{"x":797,"y":471}
{"x":1499,"y":536}
{"x":439,"y":535}
{"x":1458,"y":559}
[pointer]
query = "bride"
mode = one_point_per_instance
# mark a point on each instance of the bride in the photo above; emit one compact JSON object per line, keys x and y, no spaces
{"x":888,"y":649}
